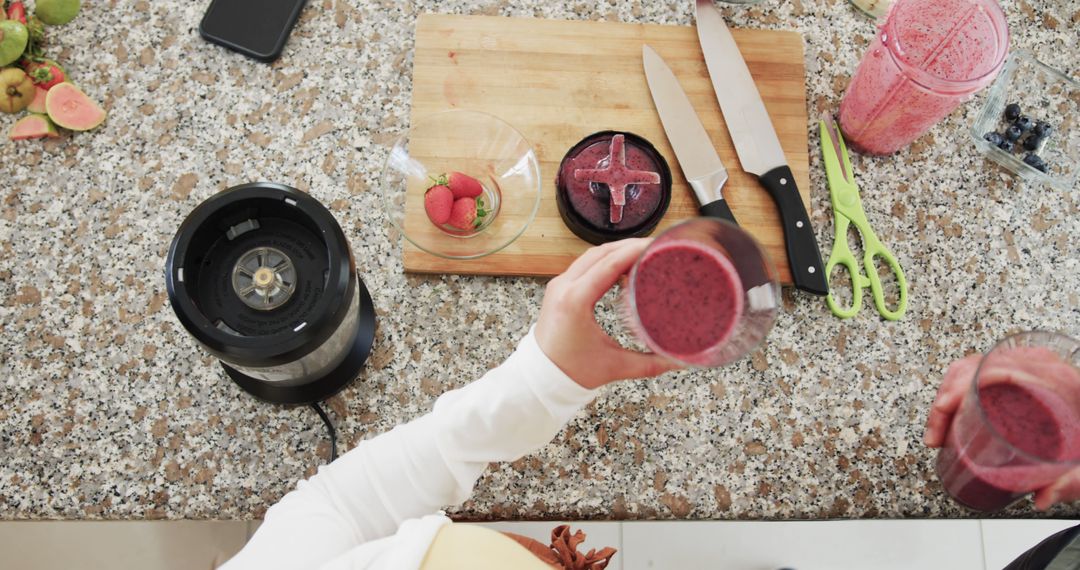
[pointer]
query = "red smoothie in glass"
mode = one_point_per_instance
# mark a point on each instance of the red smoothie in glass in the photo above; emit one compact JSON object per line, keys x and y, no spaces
{"x":980,"y":472}
{"x":928,"y":58}
{"x":688,"y":298}
{"x":592,"y":200}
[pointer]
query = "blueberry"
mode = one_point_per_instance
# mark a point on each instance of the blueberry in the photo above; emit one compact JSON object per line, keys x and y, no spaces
{"x":1043,"y":129}
{"x":1025,"y":123}
{"x":1035,"y":161}
{"x":1014,"y":132}
{"x":1006,"y":145}
{"x":1033,"y":142}
{"x":1012,"y":111}
{"x":994,"y":138}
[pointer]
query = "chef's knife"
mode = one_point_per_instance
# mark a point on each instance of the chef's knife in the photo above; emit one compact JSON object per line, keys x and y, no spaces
{"x":758,"y":146}
{"x":697,"y":157}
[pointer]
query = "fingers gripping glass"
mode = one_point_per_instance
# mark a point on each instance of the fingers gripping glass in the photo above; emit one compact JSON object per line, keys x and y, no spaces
{"x":1017,"y":428}
{"x":848,"y":212}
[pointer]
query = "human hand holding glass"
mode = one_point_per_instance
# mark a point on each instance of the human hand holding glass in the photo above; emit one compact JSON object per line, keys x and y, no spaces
{"x":984,"y":420}
{"x":567,"y":330}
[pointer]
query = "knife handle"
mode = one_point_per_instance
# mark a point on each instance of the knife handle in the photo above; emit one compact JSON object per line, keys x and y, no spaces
{"x":807,"y":269}
{"x":718,"y":209}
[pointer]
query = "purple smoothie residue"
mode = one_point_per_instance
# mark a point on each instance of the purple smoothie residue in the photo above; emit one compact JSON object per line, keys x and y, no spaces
{"x":1024,"y":419}
{"x":590,"y":175}
{"x":617,"y":176}
{"x":688,"y":298}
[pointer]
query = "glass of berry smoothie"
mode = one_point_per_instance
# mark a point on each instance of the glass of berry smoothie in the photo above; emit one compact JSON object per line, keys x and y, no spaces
{"x":928,"y":58}
{"x":1018,"y":427}
{"x":702,"y":294}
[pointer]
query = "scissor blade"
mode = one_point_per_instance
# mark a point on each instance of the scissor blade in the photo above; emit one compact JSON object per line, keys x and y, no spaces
{"x":833,"y":170}
{"x":839,"y":148}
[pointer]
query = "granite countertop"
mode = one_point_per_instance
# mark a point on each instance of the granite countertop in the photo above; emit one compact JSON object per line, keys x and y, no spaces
{"x":109,"y":410}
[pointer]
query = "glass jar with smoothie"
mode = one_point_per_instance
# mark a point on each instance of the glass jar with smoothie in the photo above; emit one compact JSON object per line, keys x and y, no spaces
{"x":1018,"y":426}
{"x":928,"y":58}
{"x":702,"y":294}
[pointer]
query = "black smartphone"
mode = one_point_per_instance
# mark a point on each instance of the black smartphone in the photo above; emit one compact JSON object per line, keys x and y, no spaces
{"x":255,"y":28}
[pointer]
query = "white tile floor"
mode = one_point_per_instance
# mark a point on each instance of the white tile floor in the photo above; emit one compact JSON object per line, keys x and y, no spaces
{"x":831,"y":545}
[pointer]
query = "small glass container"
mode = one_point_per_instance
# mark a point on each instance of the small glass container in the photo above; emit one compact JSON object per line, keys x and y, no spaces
{"x":479,"y":145}
{"x":1044,"y":94}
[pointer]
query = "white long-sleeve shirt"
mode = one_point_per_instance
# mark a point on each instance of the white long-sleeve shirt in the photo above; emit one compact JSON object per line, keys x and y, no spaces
{"x":364,"y":510}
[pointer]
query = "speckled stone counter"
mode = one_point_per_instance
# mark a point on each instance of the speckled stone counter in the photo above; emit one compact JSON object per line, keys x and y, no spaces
{"x":109,"y":410}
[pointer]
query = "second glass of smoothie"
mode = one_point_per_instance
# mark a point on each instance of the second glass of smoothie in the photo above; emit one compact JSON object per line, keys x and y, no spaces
{"x":703,"y":294}
{"x":1018,"y":427}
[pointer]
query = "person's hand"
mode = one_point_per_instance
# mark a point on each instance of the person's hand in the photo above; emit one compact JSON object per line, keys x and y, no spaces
{"x":956,"y":382}
{"x":567,"y":331}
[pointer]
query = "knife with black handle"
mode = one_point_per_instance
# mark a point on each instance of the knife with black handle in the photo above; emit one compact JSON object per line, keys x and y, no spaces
{"x":758,"y":146}
{"x":698,"y":159}
{"x":807,"y":269}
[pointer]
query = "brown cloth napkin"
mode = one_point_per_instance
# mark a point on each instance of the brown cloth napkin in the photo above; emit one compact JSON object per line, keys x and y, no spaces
{"x":563,"y":552}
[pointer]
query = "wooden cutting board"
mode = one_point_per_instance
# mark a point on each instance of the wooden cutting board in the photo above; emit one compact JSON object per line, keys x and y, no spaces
{"x":559,"y":81}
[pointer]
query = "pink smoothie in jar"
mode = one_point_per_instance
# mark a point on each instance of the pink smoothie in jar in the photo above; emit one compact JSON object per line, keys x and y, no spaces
{"x":688,"y":298}
{"x":928,"y":58}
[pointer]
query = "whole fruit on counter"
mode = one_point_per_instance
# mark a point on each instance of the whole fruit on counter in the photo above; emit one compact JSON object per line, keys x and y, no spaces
{"x":56,"y":12}
{"x":13,"y":38}
{"x":16,"y":90}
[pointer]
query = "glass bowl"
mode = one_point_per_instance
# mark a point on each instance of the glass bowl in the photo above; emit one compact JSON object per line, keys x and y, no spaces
{"x":1044,"y":94}
{"x":702,"y":294}
{"x":481,"y":146}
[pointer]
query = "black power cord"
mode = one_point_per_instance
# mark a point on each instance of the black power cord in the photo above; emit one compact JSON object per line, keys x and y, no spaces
{"x":329,"y":428}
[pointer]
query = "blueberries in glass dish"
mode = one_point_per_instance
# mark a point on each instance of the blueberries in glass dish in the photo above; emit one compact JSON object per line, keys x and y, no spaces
{"x":1013,"y":138}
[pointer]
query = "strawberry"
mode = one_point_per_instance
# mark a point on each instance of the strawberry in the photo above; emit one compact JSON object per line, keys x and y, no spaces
{"x":45,"y":73}
{"x":463,"y":217}
{"x":439,"y":202}
{"x":17,"y":11}
{"x":465,"y":186}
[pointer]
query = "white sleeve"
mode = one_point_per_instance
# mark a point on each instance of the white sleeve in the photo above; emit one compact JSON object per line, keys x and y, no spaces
{"x":419,"y":467}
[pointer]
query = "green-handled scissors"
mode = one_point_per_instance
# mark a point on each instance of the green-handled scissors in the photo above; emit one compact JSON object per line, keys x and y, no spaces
{"x":847,"y":209}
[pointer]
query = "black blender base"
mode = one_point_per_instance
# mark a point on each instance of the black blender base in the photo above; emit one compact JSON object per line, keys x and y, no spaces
{"x":329,"y":385}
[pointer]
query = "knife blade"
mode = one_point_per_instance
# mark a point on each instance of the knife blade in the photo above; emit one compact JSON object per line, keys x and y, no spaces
{"x":697,"y":157}
{"x":758,"y":146}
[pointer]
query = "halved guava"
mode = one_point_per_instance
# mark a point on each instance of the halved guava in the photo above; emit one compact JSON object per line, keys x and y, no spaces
{"x":70,"y":108}
{"x":33,"y":126}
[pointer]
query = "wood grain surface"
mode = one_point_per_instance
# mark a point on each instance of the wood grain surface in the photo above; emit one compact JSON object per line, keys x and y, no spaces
{"x":559,"y":81}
